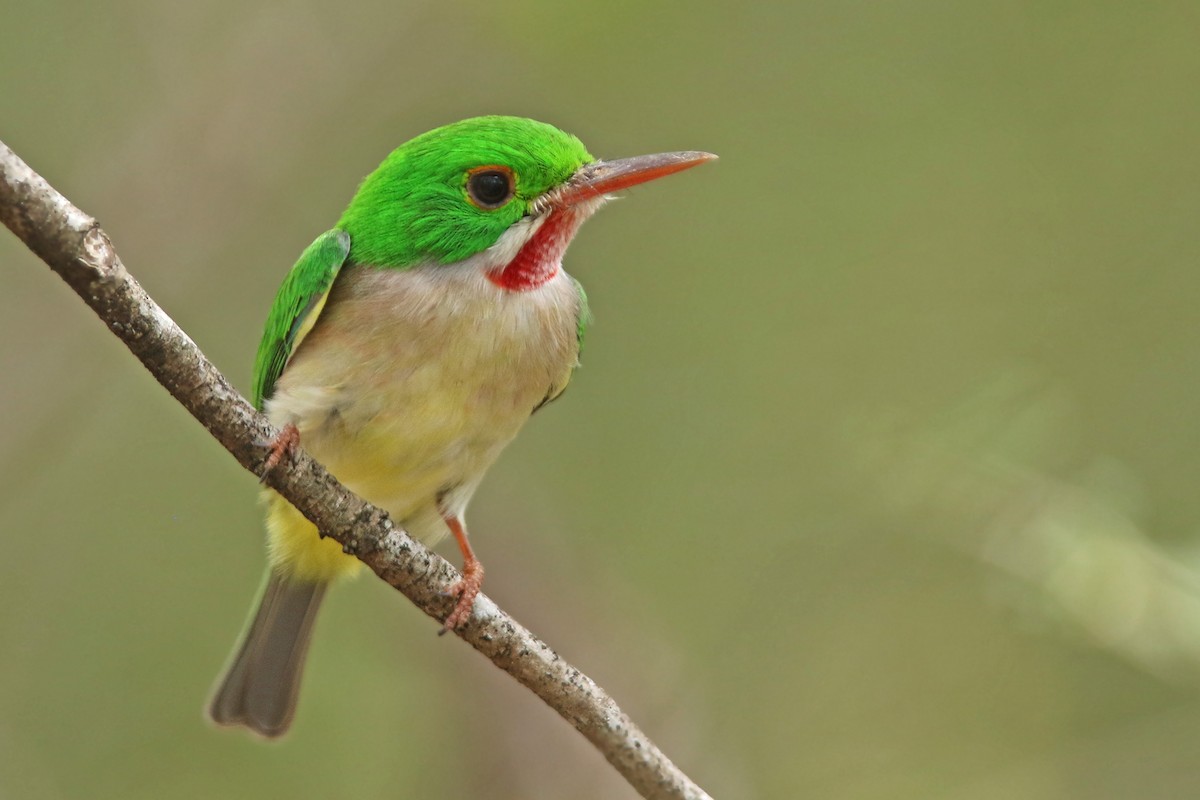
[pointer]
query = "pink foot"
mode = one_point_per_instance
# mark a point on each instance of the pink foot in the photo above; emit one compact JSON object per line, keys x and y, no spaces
{"x":467,"y":587}
{"x":284,"y":444}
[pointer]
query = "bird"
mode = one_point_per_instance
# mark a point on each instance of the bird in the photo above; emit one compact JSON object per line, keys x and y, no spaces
{"x":405,"y":349}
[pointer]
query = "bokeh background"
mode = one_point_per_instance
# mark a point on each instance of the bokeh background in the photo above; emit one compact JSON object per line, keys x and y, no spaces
{"x":879,"y":480}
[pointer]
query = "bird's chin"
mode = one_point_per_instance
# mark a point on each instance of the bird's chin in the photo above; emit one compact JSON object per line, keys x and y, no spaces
{"x":511,"y":241}
{"x":521,"y":232}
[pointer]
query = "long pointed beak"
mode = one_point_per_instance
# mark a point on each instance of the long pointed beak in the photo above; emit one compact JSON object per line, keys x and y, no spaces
{"x":601,"y":177}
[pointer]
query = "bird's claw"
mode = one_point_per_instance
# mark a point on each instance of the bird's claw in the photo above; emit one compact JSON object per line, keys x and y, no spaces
{"x":466,"y":589}
{"x":284,"y":444}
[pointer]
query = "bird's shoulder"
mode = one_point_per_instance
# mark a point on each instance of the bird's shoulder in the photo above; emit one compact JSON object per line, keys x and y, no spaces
{"x":298,"y":304}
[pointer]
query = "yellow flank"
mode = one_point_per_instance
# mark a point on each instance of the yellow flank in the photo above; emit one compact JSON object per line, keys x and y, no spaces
{"x":295,"y":549}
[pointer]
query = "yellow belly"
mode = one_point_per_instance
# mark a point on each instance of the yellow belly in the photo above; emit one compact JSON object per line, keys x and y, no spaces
{"x":295,"y":549}
{"x":408,"y":399}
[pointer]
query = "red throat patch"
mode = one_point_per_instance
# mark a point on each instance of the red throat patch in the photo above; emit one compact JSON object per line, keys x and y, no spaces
{"x":540,"y":258}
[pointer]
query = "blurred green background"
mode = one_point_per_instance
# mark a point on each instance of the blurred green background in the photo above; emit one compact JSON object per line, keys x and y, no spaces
{"x":879,"y":480}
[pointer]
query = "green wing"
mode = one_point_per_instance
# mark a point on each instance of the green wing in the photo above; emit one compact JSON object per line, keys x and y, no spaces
{"x":296,"y":308}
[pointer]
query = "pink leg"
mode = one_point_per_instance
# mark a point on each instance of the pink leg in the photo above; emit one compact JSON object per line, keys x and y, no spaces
{"x":284,"y":444}
{"x":468,"y":586}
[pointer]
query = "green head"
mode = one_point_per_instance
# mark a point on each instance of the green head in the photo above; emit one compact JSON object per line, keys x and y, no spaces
{"x":452,"y":192}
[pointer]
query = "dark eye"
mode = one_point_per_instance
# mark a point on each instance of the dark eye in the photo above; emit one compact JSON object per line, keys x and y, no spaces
{"x":490,"y":187}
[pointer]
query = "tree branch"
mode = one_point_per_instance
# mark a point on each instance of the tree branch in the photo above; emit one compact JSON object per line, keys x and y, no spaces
{"x":75,"y":247}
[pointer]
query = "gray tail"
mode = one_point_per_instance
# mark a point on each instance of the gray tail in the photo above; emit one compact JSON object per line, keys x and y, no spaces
{"x":258,"y":689}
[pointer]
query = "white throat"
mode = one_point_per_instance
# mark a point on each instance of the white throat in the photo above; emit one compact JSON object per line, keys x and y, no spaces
{"x":521,"y":232}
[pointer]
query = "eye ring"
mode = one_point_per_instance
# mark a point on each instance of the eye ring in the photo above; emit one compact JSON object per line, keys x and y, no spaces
{"x":491,"y":186}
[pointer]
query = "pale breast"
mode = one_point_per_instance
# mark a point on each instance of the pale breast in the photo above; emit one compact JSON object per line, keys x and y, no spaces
{"x":411,"y":382}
